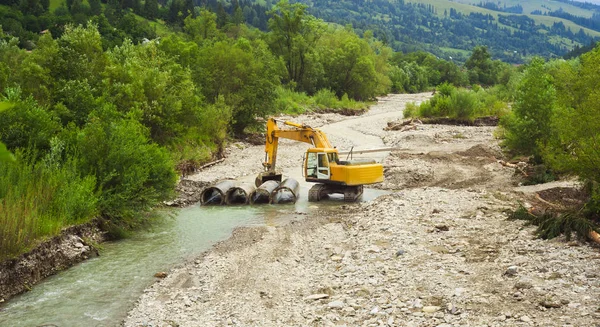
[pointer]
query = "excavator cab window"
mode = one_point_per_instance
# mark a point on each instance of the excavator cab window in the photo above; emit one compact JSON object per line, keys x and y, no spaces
{"x":323,"y":169}
{"x":333,"y":157}
{"x":311,"y":165}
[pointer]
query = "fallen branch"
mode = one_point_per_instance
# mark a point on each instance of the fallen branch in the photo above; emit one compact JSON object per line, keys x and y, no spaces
{"x":211,"y":164}
{"x":553,"y":205}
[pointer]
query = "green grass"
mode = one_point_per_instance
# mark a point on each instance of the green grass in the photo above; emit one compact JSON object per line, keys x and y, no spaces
{"x":161,"y":28}
{"x":460,"y":104}
{"x":296,"y":103}
{"x":38,"y":200}
{"x":531,"y":5}
{"x":465,"y":8}
{"x":462,"y":51}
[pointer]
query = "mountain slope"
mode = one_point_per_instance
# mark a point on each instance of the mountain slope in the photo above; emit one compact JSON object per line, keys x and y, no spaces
{"x":445,"y":28}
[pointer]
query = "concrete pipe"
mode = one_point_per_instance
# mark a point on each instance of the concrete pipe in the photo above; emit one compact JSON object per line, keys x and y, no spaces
{"x":239,"y":194}
{"x":216,"y":194}
{"x":262,"y":195}
{"x":287,"y":192}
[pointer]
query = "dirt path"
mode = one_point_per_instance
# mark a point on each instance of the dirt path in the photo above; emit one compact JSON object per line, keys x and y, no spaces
{"x":438,"y":251}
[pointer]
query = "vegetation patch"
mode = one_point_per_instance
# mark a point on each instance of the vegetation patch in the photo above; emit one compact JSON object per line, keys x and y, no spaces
{"x":459,"y":106}
{"x":553,"y":224}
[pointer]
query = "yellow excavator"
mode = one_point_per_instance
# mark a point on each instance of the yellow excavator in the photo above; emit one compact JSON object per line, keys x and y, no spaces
{"x":321,"y":163}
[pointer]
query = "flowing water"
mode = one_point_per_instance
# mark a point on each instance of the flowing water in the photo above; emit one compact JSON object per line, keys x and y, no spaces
{"x":100,"y":291}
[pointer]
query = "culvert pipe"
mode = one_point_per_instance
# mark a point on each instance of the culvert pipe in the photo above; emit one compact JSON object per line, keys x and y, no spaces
{"x":216,"y":194}
{"x":262,"y":195}
{"x":286,"y":192}
{"x":239,"y":194}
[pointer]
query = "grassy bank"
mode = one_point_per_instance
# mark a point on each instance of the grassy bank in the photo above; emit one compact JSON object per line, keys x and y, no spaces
{"x":38,"y":200}
{"x":296,"y":103}
{"x":459,"y":104}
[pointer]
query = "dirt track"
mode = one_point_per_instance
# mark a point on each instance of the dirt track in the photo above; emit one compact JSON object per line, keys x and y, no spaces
{"x":438,"y":251}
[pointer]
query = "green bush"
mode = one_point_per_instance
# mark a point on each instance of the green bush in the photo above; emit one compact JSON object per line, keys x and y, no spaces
{"x":460,"y":104}
{"x":527,"y":129}
{"x":411,"y":110}
{"x":290,"y":102}
{"x":132,"y":174}
{"x":573,"y":145}
{"x":464,"y":105}
{"x":325,"y":98}
{"x":26,"y":124}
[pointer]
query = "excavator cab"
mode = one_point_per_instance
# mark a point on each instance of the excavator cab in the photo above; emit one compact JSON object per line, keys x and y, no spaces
{"x":317,"y":165}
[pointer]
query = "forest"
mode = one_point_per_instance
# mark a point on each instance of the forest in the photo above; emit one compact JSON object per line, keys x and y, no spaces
{"x":408,"y":27}
{"x":97,"y":111}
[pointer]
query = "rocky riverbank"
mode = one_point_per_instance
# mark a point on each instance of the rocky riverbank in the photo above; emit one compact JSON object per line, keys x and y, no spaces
{"x":437,"y":251}
{"x":72,"y":246}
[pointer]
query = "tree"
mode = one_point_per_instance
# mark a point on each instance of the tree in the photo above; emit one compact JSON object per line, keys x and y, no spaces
{"x":528,"y":128}
{"x":349,"y":64}
{"x":293,"y":35}
{"x":244,"y":74}
{"x":576,"y":146}
{"x":95,"y":7}
{"x":203,"y":27}
{"x":151,"y":9}
{"x":481,"y":67}
{"x":5,"y":155}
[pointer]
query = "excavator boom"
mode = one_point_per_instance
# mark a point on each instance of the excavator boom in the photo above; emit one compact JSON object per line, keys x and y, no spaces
{"x":300,"y":133}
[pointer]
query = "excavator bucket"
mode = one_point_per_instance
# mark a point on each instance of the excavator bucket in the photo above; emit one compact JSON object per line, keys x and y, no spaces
{"x":263,"y":177}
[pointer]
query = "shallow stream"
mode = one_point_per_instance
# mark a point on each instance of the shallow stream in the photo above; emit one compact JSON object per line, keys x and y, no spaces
{"x":100,"y":291}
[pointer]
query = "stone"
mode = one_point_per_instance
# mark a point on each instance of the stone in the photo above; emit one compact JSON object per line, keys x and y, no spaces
{"x":511,"y":271}
{"x":336,"y":304}
{"x":400,"y":252}
{"x":349,"y":311}
{"x":525,"y":319}
{"x":314,"y":297}
{"x":431,"y":309}
{"x":551,"y":304}
{"x":374,"y":310}
{"x":523,"y":284}
{"x":373,"y":249}
{"x":459,"y":291}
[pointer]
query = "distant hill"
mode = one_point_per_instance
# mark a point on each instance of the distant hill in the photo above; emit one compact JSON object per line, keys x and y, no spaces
{"x":452,"y":28}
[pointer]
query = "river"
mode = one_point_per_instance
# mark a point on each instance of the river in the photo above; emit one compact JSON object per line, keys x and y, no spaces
{"x":100,"y":291}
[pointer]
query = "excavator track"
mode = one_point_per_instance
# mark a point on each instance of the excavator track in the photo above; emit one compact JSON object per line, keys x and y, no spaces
{"x":353,"y":193}
{"x":314,"y":194}
{"x":320,"y":191}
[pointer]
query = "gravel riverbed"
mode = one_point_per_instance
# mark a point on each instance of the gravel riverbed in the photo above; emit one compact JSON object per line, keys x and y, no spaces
{"x":438,"y":251}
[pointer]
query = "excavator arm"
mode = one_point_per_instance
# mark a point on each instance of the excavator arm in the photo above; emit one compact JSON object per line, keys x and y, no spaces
{"x":298,"y":132}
